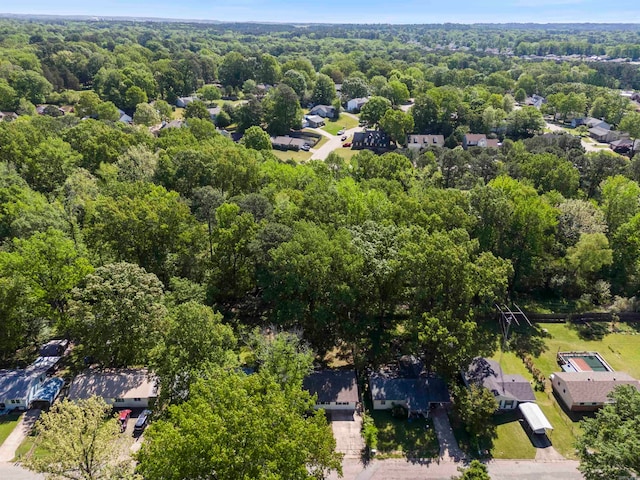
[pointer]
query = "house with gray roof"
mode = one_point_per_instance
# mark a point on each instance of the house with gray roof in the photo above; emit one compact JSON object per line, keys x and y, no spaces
{"x":588,"y":391}
{"x":18,"y":387}
{"x":335,"y":389}
{"x":121,"y":388}
{"x":324,"y":111}
{"x":603,"y":135}
{"x":508,"y":390}
{"x":314,"y":121}
{"x":417,"y":395}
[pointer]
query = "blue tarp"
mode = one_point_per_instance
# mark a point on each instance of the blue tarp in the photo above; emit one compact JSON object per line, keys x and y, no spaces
{"x":48,"y":391}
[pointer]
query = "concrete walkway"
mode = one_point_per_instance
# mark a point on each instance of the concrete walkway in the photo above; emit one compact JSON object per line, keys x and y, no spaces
{"x":9,"y":471}
{"x":449,"y":449}
{"x":15,"y":438}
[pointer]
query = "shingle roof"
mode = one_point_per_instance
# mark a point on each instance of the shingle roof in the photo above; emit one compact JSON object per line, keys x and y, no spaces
{"x":488,"y":373}
{"x":124,"y":383}
{"x":333,"y":385}
{"x":593,"y":387}
{"x":417,"y":392}
{"x":598,"y":131}
{"x":475,"y":137}
{"x":15,"y":384}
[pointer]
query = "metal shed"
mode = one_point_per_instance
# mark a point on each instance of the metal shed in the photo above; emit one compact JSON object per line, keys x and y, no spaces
{"x":535,"y":418}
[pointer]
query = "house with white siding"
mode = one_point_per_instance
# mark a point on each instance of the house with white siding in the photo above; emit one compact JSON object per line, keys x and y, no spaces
{"x":121,"y":388}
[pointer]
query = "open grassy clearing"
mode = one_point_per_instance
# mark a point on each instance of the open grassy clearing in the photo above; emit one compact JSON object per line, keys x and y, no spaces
{"x":28,"y":447}
{"x":299,"y":156}
{"x":7,"y":424}
{"x":343,"y":122}
{"x":346,"y":153}
{"x":399,"y":437}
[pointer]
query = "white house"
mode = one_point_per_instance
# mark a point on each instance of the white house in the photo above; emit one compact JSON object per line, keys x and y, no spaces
{"x":355,"y":104}
{"x":335,"y":389}
{"x":122,"y":388}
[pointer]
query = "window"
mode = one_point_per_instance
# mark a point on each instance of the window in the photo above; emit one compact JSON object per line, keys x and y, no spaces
{"x":564,"y":391}
{"x":383,"y":402}
{"x":581,"y":403}
{"x":508,"y":404}
{"x":119,"y":400}
{"x":136,"y":399}
{"x":594,"y":403}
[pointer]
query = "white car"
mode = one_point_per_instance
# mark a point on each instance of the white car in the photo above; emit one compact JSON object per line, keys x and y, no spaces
{"x":305,"y":147}
{"x":340,"y":132}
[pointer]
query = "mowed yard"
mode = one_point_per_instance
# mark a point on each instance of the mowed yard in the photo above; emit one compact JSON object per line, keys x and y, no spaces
{"x":620,"y":350}
{"x":7,"y":424}
{"x":343,"y":122}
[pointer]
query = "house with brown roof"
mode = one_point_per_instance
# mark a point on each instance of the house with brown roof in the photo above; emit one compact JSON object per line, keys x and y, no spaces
{"x":508,"y":390}
{"x":121,"y":388}
{"x":335,"y":389}
{"x":479,"y":140}
{"x":423,"y":141}
{"x":588,"y":391}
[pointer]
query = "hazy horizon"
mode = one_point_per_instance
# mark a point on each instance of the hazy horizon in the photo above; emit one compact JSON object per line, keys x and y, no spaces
{"x":354,"y":12}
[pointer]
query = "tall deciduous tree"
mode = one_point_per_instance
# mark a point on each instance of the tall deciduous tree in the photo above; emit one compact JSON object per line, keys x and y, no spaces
{"x":118,"y":315}
{"x":252,"y":427}
{"x":80,"y":444}
{"x":397,"y":124}
{"x":375,"y":109}
{"x":257,"y":139}
{"x":609,"y":443}
{"x":324,"y":91}
{"x":631,"y":123}
{"x":282,"y":110}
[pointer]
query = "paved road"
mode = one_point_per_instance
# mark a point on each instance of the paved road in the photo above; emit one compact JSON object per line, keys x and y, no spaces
{"x":400,"y":469}
{"x":9,"y":471}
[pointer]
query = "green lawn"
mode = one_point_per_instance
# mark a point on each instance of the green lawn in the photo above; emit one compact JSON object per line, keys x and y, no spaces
{"x":344,"y":121}
{"x":401,"y":438}
{"x":346,"y":153}
{"x":27,"y":446}
{"x":620,"y":350}
{"x":7,"y":424}
{"x":512,"y":440}
{"x":299,"y":156}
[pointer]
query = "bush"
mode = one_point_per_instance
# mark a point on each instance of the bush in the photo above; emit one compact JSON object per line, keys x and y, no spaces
{"x":369,"y":432}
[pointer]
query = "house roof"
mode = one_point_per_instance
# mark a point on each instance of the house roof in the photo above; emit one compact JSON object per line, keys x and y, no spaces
{"x":49,"y":390}
{"x":115,"y":383}
{"x":489,"y":374}
{"x":315,"y":118}
{"x":333,"y":385}
{"x":599,"y":131}
{"x":493,"y":143}
{"x":475,"y":137}
{"x":54,"y":348}
{"x":325,"y":108}
{"x":214,"y":111}
{"x":593,"y":387}
{"x":359,"y":100}
{"x":15,"y":384}
{"x":425,"y":140}
{"x":371,"y":138}
{"x":417,"y":392}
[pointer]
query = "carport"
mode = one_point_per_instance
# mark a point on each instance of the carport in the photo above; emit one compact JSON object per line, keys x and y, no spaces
{"x":535,"y":418}
{"x":47,"y":393}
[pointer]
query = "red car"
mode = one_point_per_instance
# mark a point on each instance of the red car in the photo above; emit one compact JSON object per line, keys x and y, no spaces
{"x":123,"y":418}
{"x":346,"y":145}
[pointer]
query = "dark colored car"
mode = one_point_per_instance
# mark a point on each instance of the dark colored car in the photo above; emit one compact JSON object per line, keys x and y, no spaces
{"x":344,"y":138}
{"x":123,"y":418}
{"x":141,"y":422}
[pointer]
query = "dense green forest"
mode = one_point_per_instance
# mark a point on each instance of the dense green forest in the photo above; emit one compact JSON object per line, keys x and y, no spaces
{"x":402,"y":252}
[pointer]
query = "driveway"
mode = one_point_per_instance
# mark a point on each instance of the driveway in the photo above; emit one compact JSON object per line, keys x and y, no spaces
{"x":19,"y":433}
{"x":333,"y":143}
{"x":347,"y":432}
{"x":449,"y":449}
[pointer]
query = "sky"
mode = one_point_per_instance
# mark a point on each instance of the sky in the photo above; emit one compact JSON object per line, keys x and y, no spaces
{"x":346,"y":11}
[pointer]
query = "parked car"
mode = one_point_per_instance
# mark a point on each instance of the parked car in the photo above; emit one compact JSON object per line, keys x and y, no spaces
{"x":346,"y":145}
{"x":344,"y":137}
{"x":306,"y":147}
{"x":123,"y":418}
{"x":141,"y":422}
{"x":340,"y":132}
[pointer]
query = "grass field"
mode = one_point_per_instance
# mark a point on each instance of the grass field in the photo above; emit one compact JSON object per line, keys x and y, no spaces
{"x":400,"y":438}
{"x":620,"y":350}
{"x":299,"y":156}
{"x":26,"y":446}
{"x":344,"y":121}
{"x":7,"y":424}
{"x":346,"y":153}
{"x":512,"y":441}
